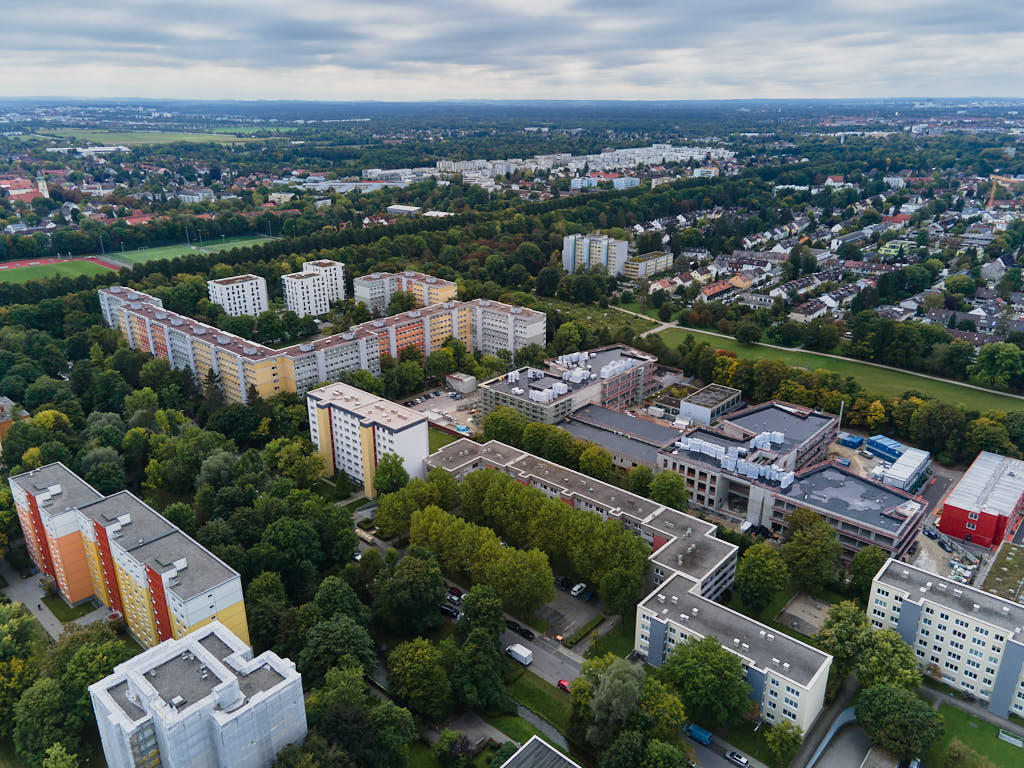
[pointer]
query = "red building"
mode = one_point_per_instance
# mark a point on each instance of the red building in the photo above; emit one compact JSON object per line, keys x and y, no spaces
{"x":985,"y":506}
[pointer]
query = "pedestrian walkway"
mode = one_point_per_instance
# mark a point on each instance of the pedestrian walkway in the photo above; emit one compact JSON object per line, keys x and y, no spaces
{"x":818,"y":731}
{"x":28,"y":592}
{"x":975,"y":708}
{"x":470,"y":725}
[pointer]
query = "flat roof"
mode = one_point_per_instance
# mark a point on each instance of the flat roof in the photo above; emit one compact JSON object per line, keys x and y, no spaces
{"x":694,"y":549}
{"x":538,"y":382}
{"x":712,"y":395}
{"x":370,"y":408}
{"x":766,"y":648}
{"x":144,"y":525}
{"x":966,"y":600}
{"x":236,"y":279}
{"x":619,"y":422}
{"x":846,"y":494}
{"x":639,"y":451}
{"x":992,"y":484}
{"x":797,"y":424}
{"x":69,"y":489}
{"x":302,"y":276}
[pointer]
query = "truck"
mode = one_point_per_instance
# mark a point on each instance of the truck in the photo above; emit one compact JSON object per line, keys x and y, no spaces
{"x":699,"y":734}
{"x":520,"y":653}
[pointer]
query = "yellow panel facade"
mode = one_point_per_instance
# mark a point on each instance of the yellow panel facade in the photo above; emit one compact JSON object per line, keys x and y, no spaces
{"x":138,"y":608}
{"x":232,"y":617}
{"x":323,"y":428}
{"x":99,"y":584}
{"x":367,"y":444}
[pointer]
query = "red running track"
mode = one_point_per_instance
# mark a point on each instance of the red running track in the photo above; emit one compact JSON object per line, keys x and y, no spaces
{"x":41,"y":262}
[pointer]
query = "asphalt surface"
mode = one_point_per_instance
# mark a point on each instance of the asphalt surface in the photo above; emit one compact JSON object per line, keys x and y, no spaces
{"x":847,"y":750}
{"x":551,"y":661}
{"x":713,"y":756}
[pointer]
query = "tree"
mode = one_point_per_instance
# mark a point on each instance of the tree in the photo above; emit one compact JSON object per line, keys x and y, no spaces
{"x":334,"y":597}
{"x":866,"y":564}
{"x":669,"y":488}
{"x":40,"y":722}
{"x":407,"y":600}
{"x":709,"y":679}
{"x":476,"y":679}
{"x":416,"y":678}
{"x":761,"y":574}
{"x":452,"y":749}
{"x":812,"y":551}
{"x":182,"y":515}
{"x":390,"y":475}
{"x":875,"y":415}
{"x":620,"y":590}
{"x":340,"y":641}
{"x":58,"y":757}
{"x":640,"y":478}
{"x":845,"y":635}
{"x":616,"y":693}
{"x":503,"y":753}
{"x":748,"y":333}
{"x":959,"y":755}
{"x":89,"y":663}
{"x":996,"y":364}
{"x":887,"y":660}
{"x":547,"y":281}
{"x":597,"y":462}
{"x":898,"y":720}
{"x":505,"y":424}
{"x":661,"y":711}
{"x":481,"y":609}
{"x":522,"y":578}
{"x":292,"y":548}
{"x":783,"y":740}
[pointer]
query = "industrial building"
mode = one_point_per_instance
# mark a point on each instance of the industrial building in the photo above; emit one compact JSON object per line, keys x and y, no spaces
{"x":376,"y":289}
{"x":969,"y":637}
{"x":616,"y":376}
{"x":631,"y":440}
{"x":594,"y":251}
{"x":201,"y":700}
{"x":690,"y":568}
{"x":119,"y":551}
{"x":707,"y":405}
{"x":352,"y":429}
{"x":985,"y":506}
{"x":240,"y":364}
{"x":907,"y":472}
{"x":884,"y":448}
{"x":240,"y":294}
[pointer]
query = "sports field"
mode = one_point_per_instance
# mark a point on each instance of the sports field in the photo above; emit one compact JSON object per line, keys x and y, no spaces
{"x":885,"y":382}
{"x":53,"y":269}
{"x":133,"y":138}
{"x":144,"y":255}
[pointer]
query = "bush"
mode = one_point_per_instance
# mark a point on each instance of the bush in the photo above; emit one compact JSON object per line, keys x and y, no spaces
{"x":366,"y":523}
{"x":582,"y":632}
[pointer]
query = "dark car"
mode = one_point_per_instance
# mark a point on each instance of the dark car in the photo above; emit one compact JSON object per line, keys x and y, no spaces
{"x":564,"y":582}
{"x":455,"y":591}
{"x":450,"y":611}
{"x":945,"y":545}
{"x":968,"y":696}
{"x":513,"y":625}
{"x":525,"y":632}
{"x":930,"y":533}
{"x":588,"y":594}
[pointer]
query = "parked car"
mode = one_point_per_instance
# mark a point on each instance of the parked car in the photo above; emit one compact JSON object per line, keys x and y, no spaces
{"x":408,"y":403}
{"x":454,"y":600}
{"x":736,"y":758}
{"x":968,"y":696}
{"x":437,"y":393}
{"x":453,"y":590}
{"x":945,"y":545}
{"x":564,"y":685}
{"x":931,"y":533}
{"x":563,"y":582}
{"x":702,"y":735}
{"x":451,"y":611}
{"x":512,"y":625}
{"x":588,"y":594}
{"x":526,"y":632}
{"x":578,"y":589}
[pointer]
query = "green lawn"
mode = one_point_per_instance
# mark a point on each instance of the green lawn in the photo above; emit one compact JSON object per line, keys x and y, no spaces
{"x":216,"y":245}
{"x":420,"y":757}
{"x":438,"y":439}
{"x":875,"y":380}
{"x":55,"y":269}
{"x":593,"y":316}
{"x":131,"y":138}
{"x":634,"y":306}
{"x":62,"y":611}
{"x":743,"y":737}
{"x":1006,"y":578}
{"x":542,"y":698}
{"x":977,"y":734}
{"x":618,"y":641}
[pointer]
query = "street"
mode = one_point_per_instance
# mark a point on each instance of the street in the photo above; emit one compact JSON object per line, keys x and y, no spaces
{"x":551,"y":661}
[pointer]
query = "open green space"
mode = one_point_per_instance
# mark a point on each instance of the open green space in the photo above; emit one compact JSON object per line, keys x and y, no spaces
{"x":594,"y":317}
{"x":1006,"y":578}
{"x":635,"y":306}
{"x":132,"y":138}
{"x":54,"y":269}
{"x":890,"y":383}
{"x":542,"y":698}
{"x":143,"y":255}
{"x":66,"y":613}
{"x":438,"y":439}
{"x":421,"y":757}
{"x":618,"y":640}
{"x":979,"y":735}
{"x":748,"y":741}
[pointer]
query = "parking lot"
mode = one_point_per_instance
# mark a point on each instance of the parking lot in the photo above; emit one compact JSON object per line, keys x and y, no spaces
{"x":566,"y":613}
{"x":445,"y":409}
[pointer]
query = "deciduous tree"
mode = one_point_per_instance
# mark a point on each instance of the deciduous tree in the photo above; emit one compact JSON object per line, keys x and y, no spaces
{"x":762,"y":573}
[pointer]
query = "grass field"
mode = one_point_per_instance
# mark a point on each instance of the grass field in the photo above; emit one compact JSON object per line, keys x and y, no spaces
{"x":979,"y":735}
{"x":876,"y":380}
{"x":619,"y":640}
{"x":542,"y":698}
{"x":438,"y":439}
{"x":64,"y":613}
{"x":132,"y":138}
{"x":593,"y":316}
{"x":56,"y":269}
{"x":144,"y":255}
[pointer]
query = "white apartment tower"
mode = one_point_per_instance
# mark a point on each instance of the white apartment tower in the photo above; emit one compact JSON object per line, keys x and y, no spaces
{"x":333,"y":273}
{"x":201,"y":700}
{"x":240,"y":294}
{"x":305,"y":293}
{"x":594,"y":250}
{"x":498,"y":326}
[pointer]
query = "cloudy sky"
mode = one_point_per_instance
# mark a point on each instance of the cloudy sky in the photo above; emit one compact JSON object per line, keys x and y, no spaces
{"x":444,"y":49}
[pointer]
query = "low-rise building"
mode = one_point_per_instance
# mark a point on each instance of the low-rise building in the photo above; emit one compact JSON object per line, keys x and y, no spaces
{"x":240,"y":294}
{"x":404,"y":210}
{"x":986,"y":504}
{"x":708,"y":404}
{"x":352,"y":429}
{"x":201,"y":700}
{"x":646,"y":264}
{"x":537,"y":753}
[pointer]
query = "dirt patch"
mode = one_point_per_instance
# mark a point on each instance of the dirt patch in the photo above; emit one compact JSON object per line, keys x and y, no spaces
{"x":804,"y":613}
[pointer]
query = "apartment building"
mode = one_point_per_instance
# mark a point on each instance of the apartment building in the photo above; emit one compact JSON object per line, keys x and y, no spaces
{"x":305,"y":293}
{"x":240,"y":364}
{"x":352,"y":429}
{"x":647,"y":264}
{"x":200,"y":700}
{"x":690,"y":568}
{"x":120,"y":552}
{"x":376,"y":289}
{"x":333,"y":275}
{"x":987,"y":502}
{"x":616,"y":376}
{"x":594,"y":251}
{"x":497,"y":326}
{"x":240,"y":294}
{"x":969,"y":637}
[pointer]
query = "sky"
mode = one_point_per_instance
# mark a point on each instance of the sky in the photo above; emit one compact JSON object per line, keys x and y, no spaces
{"x":414,"y":50}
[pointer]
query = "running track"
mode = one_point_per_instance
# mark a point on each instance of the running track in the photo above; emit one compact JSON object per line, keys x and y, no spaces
{"x":41,"y":262}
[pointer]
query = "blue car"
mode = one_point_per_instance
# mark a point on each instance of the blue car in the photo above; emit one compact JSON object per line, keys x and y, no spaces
{"x":588,"y":595}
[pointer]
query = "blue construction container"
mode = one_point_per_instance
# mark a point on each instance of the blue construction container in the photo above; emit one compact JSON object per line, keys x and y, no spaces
{"x":847,"y":440}
{"x":885,"y":447}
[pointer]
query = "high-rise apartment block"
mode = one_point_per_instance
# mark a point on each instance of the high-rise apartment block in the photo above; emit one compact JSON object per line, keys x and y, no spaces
{"x":352,"y":429}
{"x":201,"y":700}
{"x":240,"y":294}
{"x":594,"y":251}
{"x":119,"y":551}
{"x":240,"y":364}
{"x":376,"y":289}
{"x":315,"y":288}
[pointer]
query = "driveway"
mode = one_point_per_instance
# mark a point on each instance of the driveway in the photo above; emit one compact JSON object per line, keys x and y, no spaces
{"x":847,"y":749}
{"x":566,"y":613}
{"x":551,"y":661}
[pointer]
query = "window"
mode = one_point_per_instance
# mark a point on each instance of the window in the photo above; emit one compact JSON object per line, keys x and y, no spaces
{"x":970,"y":526}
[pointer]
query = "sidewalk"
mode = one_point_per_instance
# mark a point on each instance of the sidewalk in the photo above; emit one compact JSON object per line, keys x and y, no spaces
{"x":818,"y":731}
{"x":973,"y":708}
{"x":28,"y":592}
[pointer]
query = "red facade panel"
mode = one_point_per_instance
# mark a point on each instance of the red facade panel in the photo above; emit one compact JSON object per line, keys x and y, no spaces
{"x":107,"y":564}
{"x":46,"y":564}
{"x":163,"y":617}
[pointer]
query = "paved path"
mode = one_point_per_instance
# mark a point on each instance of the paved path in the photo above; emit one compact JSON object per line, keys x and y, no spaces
{"x":470,"y":725}
{"x":843,"y":700}
{"x":28,"y":592}
{"x":666,"y":326}
{"x":973,"y":708}
{"x":544,"y":727}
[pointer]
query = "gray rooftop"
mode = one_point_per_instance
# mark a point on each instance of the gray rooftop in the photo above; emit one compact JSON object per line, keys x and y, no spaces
{"x":216,"y":646}
{"x":537,"y":753}
{"x":203,"y":571}
{"x":182,"y":675}
{"x":145,"y":524}
{"x":846,"y":494}
{"x":772,"y":417}
{"x":695,"y":552}
{"x":528,"y":383}
{"x":263,"y":678}
{"x":766,"y":648}
{"x":634,"y":427}
{"x":119,"y":693}
{"x":623,"y":445}
{"x":712,"y":395}
{"x":966,"y":600}
{"x":73,"y":491}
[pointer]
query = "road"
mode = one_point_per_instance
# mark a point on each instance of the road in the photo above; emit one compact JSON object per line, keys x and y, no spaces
{"x":713,"y":756}
{"x":551,"y":661}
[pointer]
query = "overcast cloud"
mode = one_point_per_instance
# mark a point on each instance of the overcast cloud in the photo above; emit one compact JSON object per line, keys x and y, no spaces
{"x":557,"y":49}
